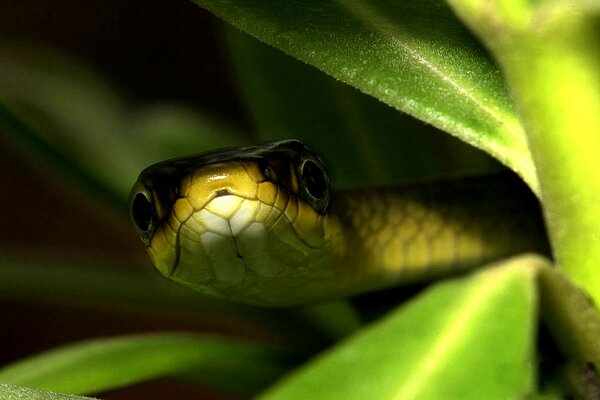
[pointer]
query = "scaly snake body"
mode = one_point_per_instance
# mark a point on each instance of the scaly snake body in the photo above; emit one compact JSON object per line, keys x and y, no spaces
{"x":260,"y":225}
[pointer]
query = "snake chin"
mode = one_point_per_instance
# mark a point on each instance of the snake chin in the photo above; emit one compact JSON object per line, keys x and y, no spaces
{"x":236,"y":245}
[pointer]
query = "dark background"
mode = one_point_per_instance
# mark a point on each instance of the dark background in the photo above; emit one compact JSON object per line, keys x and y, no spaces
{"x":152,"y":50}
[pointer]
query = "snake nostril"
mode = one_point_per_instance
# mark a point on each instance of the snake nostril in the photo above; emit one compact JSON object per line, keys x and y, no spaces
{"x":142,"y":211}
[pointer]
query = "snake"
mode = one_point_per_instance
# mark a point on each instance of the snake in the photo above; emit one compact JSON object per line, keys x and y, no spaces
{"x":262,"y":225}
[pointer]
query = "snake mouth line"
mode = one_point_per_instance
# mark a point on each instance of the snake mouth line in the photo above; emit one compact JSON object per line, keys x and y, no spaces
{"x":238,"y":254}
{"x":177,"y":255}
{"x":177,"y":247}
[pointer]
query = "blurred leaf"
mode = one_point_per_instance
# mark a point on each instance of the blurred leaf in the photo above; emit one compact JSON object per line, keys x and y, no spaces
{"x":582,"y":380}
{"x":168,"y":130}
{"x":468,"y":338}
{"x":105,"y":364}
{"x":569,"y":314}
{"x":544,"y":396}
{"x":10,"y":392}
{"x":363,"y":140}
{"x":70,"y":116}
{"x":27,"y":280}
{"x":334,"y":319}
{"x":412,"y":55}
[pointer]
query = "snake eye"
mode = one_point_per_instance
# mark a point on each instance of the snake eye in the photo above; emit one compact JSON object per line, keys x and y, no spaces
{"x":315,"y":185}
{"x":142,"y":211}
{"x":314,"y":180}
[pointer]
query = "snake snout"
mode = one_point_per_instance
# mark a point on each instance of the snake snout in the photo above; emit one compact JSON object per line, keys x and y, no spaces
{"x":214,"y":242}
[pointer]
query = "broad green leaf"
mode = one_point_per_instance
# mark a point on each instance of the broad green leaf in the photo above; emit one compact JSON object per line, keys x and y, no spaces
{"x":68,"y":115}
{"x":11,"y":392}
{"x":468,"y":338}
{"x":105,"y":364}
{"x":413,"y":55}
{"x":363,"y":141}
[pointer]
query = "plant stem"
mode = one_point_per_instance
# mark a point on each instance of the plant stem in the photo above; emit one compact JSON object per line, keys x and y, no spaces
{"x":550,"y":55}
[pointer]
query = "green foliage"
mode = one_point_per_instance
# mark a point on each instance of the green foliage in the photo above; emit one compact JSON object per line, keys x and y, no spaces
{"x":473,"y":337}
{"x":101,"y":365}
{"x":550,"y":54}
{"x":10,"y":392}
{"x":436,"y":346}
{"x":412,"y":55}
{"x":52,"y":102}
{"x":344,"y":124}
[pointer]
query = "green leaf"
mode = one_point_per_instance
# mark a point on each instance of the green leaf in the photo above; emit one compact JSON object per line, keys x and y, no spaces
{"x":342,"y":124}
{"x":34,"y":281}
{"x":413,"y":55}
{"x":68,"y":116}
{"x":10,"y":392}
{"x":550,"y":54}
{"x":469,"y":338}
{"x":105,"y":364}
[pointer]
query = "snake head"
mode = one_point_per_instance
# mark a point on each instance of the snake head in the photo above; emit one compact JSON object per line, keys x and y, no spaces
{"x":236,"y":221}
